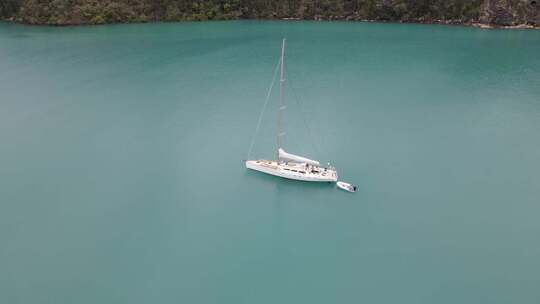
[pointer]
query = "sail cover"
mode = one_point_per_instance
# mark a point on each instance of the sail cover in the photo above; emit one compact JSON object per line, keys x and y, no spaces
{"x":295,"y":158}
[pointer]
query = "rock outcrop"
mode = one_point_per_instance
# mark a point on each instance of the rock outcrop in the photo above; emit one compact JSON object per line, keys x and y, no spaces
{"x":510,"y":12}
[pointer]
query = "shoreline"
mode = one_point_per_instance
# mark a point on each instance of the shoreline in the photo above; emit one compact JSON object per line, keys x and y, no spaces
{"x":475,"y":23}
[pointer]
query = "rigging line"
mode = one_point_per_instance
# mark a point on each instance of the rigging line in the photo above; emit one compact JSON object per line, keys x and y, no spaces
{"x":315,"y":143}
{"x":263,"y":109}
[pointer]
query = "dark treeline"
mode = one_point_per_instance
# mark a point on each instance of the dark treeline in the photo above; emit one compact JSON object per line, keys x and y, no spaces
{"x":107,"y":11}
{"x":58,"y":12}
{"x":9,"y":8}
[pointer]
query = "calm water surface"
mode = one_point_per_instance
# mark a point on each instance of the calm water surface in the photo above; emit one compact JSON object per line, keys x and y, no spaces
{"x":121,"y":178}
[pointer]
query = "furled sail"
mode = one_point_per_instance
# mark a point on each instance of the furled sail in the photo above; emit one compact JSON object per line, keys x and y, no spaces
{"x":295,"y":158}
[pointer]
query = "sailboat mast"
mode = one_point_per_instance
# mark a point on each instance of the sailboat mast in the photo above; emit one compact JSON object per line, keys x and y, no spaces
{"x":281,"y":99}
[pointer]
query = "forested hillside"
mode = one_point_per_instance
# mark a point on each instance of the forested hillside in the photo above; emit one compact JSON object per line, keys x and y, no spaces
{"x":60,"y":12}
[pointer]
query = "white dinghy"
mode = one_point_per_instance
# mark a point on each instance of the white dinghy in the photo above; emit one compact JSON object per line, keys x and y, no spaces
{"x":346,"y":186}
{"x":289,"y":165}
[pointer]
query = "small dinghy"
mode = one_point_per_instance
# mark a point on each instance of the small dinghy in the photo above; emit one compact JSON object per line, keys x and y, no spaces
{"x":346,"y":186}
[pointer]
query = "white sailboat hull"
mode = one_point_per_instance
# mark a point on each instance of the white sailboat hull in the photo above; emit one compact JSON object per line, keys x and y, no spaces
{"x":296,"y":171}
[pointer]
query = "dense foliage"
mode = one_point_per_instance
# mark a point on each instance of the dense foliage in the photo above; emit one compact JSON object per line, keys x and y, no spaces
{"x":8,"y":8}
{"x":108,"y":11}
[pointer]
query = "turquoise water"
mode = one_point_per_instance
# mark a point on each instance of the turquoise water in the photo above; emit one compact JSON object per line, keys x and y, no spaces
{"x":121,"y":178}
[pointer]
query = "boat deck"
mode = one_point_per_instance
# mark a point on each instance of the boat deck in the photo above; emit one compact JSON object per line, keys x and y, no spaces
{"x":298,"y":171}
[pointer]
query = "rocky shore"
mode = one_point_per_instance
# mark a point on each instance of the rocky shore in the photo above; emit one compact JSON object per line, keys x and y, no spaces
{"x":514,"y":14}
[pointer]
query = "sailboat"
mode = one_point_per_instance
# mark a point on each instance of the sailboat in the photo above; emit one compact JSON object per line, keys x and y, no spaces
{"x":288,"y":165}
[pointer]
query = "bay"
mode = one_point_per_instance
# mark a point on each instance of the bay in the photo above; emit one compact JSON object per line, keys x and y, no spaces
{"x":122,"y":179}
